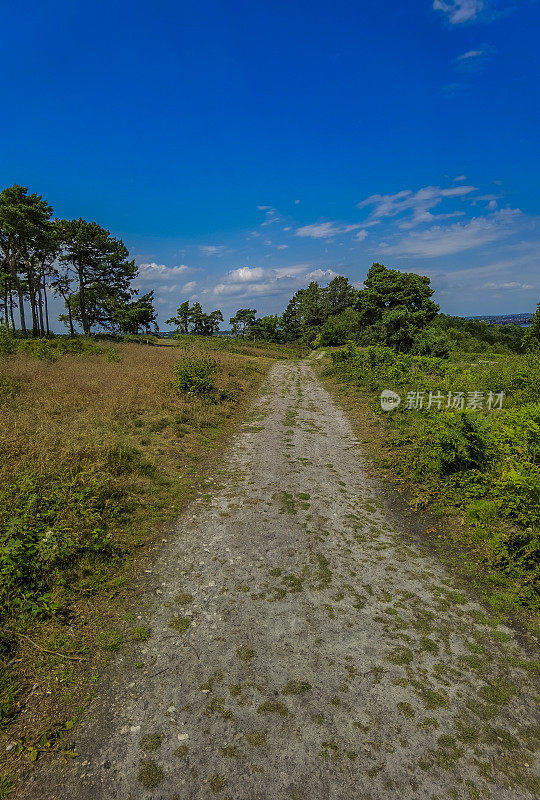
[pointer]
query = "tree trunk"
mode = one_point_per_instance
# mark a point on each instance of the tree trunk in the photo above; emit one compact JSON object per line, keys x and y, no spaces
{"x":71,"y":328}
{"x":82,"y":302}
{"x":6,"y":312}
{"x":33,"y":307}
{"x":13,"y":263}
{"x":46,"y":306}
{"x":11,"y":312}
{"x":21,"y":307}
{"x":40,"y":309}
{"x":30,"y":275}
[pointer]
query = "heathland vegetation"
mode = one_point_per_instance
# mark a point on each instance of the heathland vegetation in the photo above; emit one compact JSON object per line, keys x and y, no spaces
{"x":466,"y":439}
{"x":102,"y":444}
{"x":106,"y":434}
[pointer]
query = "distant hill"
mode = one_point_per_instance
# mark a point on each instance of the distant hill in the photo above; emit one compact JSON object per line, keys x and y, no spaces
{"x":505,"y":319}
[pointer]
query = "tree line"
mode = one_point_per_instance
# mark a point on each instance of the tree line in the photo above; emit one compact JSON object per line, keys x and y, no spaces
{"x":391,"y":308}
{"x":81,"y":262}
{"x":76,"y":260}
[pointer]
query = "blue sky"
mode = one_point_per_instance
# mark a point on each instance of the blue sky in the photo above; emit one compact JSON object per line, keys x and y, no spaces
{"x":242,"y":149}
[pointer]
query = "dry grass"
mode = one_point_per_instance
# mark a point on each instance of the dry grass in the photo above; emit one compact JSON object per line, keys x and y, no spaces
{"x":80,"y":406}
{"x":105,"y":446}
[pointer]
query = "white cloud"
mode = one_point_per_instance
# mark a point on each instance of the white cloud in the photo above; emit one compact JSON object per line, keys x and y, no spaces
{"x":282,"y":246}
{"x":324,"y":230}
{"x":211,"y":249}
{"x":292,"y":271}
{"x":460,"y":178}
{"x":322,"y":275}
{"x":361,"y":235}
{"x":439,"y":241}
{"x":471,"y":54}
{"x":506,"y":285}
{"x":189,"y":286}
{"x":417,"y":203}
{"x":458,"y":11}
{"x":474,"y":60}
{"x":256,"y":282}
{"x":271,"y":215}
{"x":160,"y":272}
{"x":245,"y":274}
{"x":485,"y":198}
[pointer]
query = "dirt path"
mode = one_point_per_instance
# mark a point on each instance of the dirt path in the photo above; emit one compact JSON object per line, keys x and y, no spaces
{"x":302,"y":648}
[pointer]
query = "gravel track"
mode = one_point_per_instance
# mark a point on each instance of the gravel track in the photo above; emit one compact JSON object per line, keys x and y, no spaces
{"x":302,"y":647}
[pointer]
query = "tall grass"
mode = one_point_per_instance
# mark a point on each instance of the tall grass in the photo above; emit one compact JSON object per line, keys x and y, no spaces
{"x":80,"y":438}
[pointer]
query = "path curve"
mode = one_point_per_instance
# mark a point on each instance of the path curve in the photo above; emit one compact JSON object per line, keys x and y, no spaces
{"x":302,"y":648}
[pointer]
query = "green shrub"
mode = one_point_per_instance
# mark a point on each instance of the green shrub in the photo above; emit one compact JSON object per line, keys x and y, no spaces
{"x":338,"y":329}
{"x":481,"y":513}
{"x":6,"y":787}
{"x":460,"y":442}
{"x":8,"y":343}
{"x":9,"y":690}
{"x":193,"y":375}
{"x":518,"y":493}
{"x":113,"y":356}
{"x":43,"y":349}
{"x":432,"y":343}
{"x":47,"y":524}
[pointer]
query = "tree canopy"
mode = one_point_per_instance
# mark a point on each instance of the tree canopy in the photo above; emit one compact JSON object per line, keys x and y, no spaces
{"x":243,"y":320}
{"x":77,"y":260}
{"x":194,"y":320}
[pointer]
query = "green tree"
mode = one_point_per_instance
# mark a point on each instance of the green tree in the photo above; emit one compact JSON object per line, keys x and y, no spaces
{"x":202,"y":324}
{"x":309,"y":308}
{"x":197,"y":319}
{"x":130,"y":317}
{"x":305,"y":313}
{"x":242,"y":321}
{"x":181,"y":321}
{"x":339,"y":328}
{"x":5,"y":293}
{"x":42,"y":268}
{"x":292,"y":319}
{"x":267,"y":328}
{"x":99,"y":264}
{"x":395,"y":306}
{"x":61,"y":285}
{"x":25,"y":226}
{"x":339,"y":295}
{"x":212,"y":322}
{"x":531,"y":340}
{"x":313,"y":306}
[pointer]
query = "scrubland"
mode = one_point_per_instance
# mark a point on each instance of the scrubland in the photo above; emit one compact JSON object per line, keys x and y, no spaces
{"x":480,"y":466}
{"x":101,"y":444}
